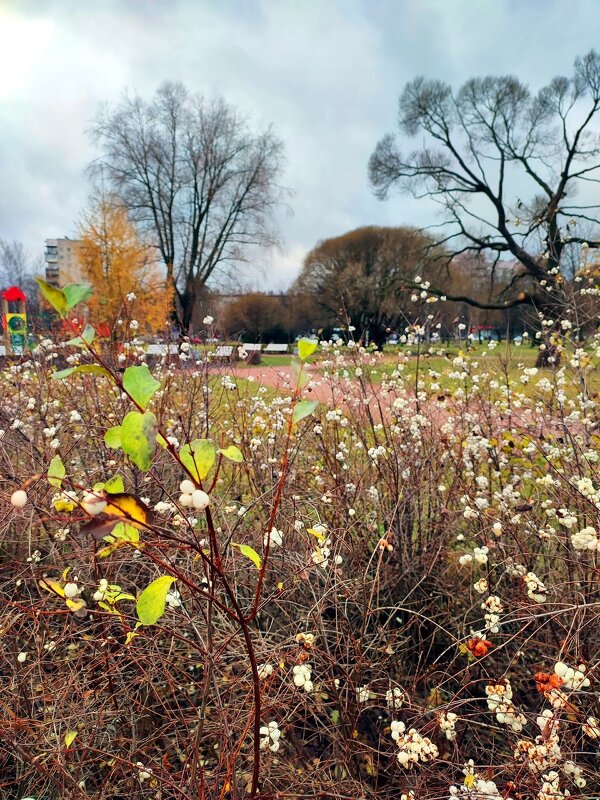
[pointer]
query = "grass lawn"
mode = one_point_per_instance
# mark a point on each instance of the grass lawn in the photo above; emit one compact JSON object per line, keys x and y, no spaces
{"x":274,"y":360}
{"x":505,"y":364}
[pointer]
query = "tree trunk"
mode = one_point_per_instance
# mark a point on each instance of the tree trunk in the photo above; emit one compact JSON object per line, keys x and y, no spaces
{"x":188,"y":302}
{"x":544,"y":356}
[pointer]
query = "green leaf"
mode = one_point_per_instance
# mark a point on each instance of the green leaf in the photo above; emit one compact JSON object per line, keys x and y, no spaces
{"x":302,"y":377}
{"x":139,"y":384}
{"x":56,"y":297}
{"x":114,"y":485}
{"x":87,"y":337}
{"x":233,"y":453}
{"x":306,"y":347}
{"x":122,"y":532}
{"x":198,"y":457}
{"x":122,"y":597}
{"x":112,"y":437}
{"x":303,"y":409}
{"x":138,"y":438}
{"x":151,"y":603}
{"x":56,"y":472}
{"x":70,"y":738}
{"x":249,"y":552}
{"x":82,"y":369}
{"x":335,"y":716}
{"x":75,"y":293}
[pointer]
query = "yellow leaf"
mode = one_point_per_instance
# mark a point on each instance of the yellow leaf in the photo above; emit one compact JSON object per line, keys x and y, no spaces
{"x":61,"y":504}
{"x":75,"y":604}
{"x":121,"y":509}
{"x":249,"y":552}
{"x":132,"y":634}
{"x":129,"y":507}
{"x":51,"y":585}
{"x":70,"y":738}
{"x":306,"y":347}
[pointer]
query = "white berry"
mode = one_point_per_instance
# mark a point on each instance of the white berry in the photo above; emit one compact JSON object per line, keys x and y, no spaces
{"x":93,"y":504}
{"x":200,"y":499}
{"x":19,"y":498}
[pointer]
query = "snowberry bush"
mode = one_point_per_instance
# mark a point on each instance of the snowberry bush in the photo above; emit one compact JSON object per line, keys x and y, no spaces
{"x":215,"y":589}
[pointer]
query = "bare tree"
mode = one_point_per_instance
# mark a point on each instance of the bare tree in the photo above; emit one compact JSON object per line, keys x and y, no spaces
{"x":193,"y":174}
{"x":256,"y":317}
{"x":17,"y":268}
{"x":515,"y":173}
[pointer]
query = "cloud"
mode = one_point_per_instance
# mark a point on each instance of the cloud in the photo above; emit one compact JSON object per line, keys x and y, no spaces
{"x":327,"y":75}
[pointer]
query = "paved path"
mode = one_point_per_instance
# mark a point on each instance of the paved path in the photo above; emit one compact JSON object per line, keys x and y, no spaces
{"x":348,"y":394}
{"x":284,"y":379}
{"x":332,"y":392}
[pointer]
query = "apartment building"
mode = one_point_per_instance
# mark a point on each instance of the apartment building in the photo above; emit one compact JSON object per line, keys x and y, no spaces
{"x":62,"y":261}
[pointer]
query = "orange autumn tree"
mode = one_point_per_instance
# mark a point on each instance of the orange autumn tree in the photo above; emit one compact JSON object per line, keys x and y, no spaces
{"x":119,"y":266}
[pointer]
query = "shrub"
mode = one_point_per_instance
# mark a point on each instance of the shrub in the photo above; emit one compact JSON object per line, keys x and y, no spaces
{"x":394,"y":593}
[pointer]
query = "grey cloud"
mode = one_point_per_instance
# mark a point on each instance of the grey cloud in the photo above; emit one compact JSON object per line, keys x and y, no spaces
{"x":326,"y":74}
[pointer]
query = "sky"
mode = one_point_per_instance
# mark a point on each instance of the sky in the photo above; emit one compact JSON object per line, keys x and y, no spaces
{"x":325,"y":73}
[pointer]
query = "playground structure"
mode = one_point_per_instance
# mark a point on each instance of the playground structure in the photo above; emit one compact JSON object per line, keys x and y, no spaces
{"x":14,"y":321}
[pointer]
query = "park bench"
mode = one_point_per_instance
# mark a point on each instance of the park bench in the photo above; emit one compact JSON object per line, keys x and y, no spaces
{"x":162,"y":349}
{"x":222,"y":351}
{"x":250,"y":352}
{"x":276,"y":348}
